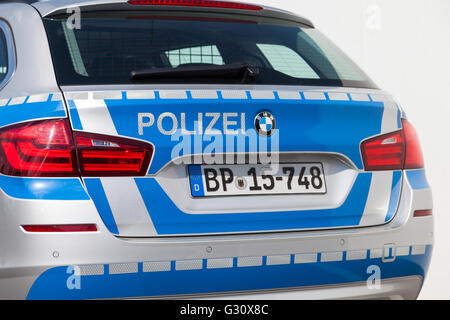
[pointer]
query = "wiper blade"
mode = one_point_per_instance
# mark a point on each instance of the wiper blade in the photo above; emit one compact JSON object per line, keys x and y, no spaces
{"x":243,"y":71}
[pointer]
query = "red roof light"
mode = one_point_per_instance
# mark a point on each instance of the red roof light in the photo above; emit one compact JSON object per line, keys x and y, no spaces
{"x":198,"y":3}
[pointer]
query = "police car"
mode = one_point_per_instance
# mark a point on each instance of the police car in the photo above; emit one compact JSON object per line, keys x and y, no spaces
{"x":172,"y":148}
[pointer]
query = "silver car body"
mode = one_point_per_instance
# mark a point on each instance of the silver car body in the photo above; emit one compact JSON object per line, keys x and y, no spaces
{"x":139,"y":262}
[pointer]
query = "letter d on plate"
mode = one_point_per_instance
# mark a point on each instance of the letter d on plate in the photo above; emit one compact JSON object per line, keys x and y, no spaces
{"x":196,"y":180}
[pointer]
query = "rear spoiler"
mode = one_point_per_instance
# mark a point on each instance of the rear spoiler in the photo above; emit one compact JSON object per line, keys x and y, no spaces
{"x":60,"y":7}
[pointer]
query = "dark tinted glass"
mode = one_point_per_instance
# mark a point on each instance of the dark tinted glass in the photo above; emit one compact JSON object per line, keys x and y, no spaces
{"x":3,"y":56}
{"x":105,"y":50}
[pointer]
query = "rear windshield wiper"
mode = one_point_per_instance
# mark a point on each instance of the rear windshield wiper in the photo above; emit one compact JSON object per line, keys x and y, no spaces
{"x":243,"y":71}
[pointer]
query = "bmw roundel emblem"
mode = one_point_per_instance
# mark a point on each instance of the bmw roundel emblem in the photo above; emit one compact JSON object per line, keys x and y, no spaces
{"x":265,"y":123}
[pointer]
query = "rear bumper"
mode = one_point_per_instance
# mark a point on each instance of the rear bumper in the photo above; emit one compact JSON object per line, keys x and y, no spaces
{"x":346,"y":279}
{"x":311,"y":264}
{"x":328,"y":274}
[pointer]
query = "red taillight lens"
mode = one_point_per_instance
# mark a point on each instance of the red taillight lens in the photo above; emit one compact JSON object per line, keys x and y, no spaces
{"x":414,"y":157}
{"x":393,"y":151}
{"x":61,"y":228}
{"x":100,"y":155}
{"x":46,"y":149}
{"x":42,"y":148}
{"x":197,"y":3}
{"x":384,"y":152}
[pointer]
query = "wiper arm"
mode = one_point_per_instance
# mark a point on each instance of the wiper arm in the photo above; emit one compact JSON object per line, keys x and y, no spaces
{"x":244,"y":71}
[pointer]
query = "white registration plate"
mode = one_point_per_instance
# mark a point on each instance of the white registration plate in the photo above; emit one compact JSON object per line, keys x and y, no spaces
{"x":229,"y":180}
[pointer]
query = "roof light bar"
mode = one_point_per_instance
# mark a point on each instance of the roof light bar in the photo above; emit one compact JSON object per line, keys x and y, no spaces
{"x":198,"y":3}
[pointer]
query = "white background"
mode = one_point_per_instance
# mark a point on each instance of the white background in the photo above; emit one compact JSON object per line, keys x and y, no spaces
{"x":404,"y":46}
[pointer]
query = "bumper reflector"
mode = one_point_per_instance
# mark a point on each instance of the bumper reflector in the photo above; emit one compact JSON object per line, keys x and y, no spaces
{"x":423,"y":213}
{"x":61,"y":228}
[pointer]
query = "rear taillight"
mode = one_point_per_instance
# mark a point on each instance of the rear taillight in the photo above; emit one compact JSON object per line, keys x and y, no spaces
{"x":46,"y":149}
{"x":198,"y":3}
{"x":393,"y":151}
{"x":384,"y":152}
{"x":414,"y":157}
{"x":100,"y":155}
{"x":42,"y":148}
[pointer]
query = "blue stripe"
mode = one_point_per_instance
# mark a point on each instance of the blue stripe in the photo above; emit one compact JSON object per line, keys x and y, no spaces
{"x":276,"y":95}
{"x":168,"y":219}
{"x":417,"y":179}
{"x":399,"y":117}
{"x":52,"y":283}
{"x":74,"y":116}
{"x":97,"y":193}
{"x":31,"y":111}
{"x":395,"y":195}
{"x":43,"y":188}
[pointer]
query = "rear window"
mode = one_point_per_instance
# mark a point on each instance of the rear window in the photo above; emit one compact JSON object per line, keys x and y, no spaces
{"x":3,"y":56}
{"x":108,"y":48}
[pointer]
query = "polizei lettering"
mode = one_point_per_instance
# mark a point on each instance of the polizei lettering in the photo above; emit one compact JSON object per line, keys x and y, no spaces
{"x":201,"y":123}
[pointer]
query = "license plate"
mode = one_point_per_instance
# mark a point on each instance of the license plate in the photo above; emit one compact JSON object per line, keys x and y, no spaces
{"x":230,"y":180}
